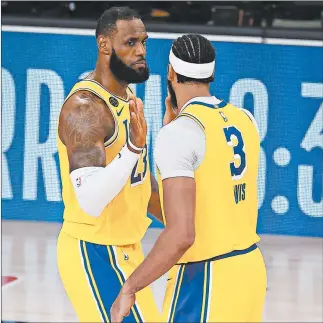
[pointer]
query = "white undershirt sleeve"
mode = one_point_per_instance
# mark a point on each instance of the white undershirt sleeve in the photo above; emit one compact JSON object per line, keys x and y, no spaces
{"x":180,"y":148}
{"x":95,"y":187}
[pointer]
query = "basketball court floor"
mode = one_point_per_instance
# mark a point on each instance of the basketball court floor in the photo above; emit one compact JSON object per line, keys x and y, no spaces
{"x":32,"y":290}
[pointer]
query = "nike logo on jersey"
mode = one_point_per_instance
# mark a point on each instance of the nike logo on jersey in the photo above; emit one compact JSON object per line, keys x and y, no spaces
{"x":78,"y":181}
{"x":119,"y":112}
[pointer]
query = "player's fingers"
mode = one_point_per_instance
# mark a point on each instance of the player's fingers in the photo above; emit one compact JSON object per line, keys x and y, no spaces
{"x":169,"y":112}
{"x":132,"y":97}
{"x":140,"y":105}
{"x":114,"y":317}
{"x":133,"y":109}
{"x":132,"y":106}
{"x":139,"y":124}
{"x":142,"y":120}
{"x":168,"y":102}
{"x":134,"y":121}
{"x":141,"y":114}
{"x":118,"y":318}
{"x":137,"y":127}
{"x":139,"y":110}
{"x":137,"y":121}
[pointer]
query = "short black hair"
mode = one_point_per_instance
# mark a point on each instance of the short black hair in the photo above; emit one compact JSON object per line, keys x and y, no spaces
{"x":196,"y":49}
{"x":107,"y":22}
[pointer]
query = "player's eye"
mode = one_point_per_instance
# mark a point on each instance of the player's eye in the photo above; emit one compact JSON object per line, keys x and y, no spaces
{"x":144,"y":42}
{"x":131,"y":43}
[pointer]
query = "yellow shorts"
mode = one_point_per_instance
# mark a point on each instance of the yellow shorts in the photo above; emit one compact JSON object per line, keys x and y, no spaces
{"x":231,"y":289}
{"x":93,"y":274}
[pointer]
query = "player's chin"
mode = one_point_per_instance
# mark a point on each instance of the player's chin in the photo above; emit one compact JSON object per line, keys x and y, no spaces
{"x":142,"y":74}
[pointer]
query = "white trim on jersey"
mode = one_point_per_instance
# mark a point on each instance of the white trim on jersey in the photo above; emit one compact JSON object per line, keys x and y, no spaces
{"x":252,"y":118}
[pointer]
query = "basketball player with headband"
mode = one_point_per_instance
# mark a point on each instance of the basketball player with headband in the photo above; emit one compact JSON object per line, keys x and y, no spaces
{"x":207,"y":155}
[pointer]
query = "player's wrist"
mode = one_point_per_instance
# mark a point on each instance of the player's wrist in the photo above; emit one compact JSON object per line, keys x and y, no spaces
{"x":127,"y":289}
{"x":129,"y":153}
{"x":134,"y":148}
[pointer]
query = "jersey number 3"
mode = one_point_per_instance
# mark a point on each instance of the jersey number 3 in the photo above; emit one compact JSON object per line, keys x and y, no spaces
{"x":137,"y":178}
{"x":235,"y":140}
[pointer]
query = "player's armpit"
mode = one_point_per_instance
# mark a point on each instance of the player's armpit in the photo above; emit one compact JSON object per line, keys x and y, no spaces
{"x":85,"y":123}
{"x":154,"y":207}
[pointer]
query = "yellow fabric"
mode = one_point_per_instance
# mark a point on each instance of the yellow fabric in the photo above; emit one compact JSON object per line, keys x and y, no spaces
{"x":124,"y":220}
{"x":93,"y":275}
{"x":221,"y":224}
{"x":236,"y":291}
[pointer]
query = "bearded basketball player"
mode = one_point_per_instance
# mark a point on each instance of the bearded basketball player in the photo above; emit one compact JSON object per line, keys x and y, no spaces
{"x":107,"y":185}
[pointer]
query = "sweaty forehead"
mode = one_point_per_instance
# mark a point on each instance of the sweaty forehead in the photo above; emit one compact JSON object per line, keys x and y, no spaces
{"x":133,"y":27}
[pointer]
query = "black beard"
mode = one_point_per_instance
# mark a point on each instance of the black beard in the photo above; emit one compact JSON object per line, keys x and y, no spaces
{"x":172,"y":94}
{"x":125,"y":73}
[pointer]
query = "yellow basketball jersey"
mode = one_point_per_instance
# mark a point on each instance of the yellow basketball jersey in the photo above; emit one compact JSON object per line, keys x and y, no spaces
{"x":124,"y":220}
{"x":226,"y":181}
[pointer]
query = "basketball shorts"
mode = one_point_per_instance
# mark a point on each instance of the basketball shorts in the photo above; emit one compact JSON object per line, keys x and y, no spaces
{"x":228,"y":288}
{"x":93,"y":275}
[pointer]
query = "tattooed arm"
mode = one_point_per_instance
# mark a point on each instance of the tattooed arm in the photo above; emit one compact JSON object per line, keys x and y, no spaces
{"x":85,"y":123}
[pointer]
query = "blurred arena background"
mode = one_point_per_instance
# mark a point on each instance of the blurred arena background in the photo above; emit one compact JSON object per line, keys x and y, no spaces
{"x":269,"y":60}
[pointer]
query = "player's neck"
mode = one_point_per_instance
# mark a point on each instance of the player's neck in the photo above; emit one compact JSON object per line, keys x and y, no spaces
{"x":186,"y":92}
{"x":105,"y":77}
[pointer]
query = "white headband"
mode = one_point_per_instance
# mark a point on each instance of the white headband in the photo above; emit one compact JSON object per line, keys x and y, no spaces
{"x":196,"y":71}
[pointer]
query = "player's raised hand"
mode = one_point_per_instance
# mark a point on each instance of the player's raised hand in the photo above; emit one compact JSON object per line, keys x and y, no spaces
{"x":170,"y":113}
{"x":138,"y":126}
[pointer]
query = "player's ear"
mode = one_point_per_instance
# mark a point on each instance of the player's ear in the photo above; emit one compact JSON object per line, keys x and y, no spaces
{"x":171,"y":76}
{"x":104,"y":45}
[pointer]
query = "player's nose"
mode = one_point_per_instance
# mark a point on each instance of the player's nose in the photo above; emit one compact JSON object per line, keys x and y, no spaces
{"x":141,"y":50}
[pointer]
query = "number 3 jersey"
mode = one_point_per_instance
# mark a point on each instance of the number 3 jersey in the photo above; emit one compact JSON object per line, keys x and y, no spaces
{"x":124,"y":220}
{"x":226,"y":179}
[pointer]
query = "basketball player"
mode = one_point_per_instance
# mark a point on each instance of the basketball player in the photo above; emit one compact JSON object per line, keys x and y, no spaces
{"x":207,"y":156}
{"x":105,"y":174}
